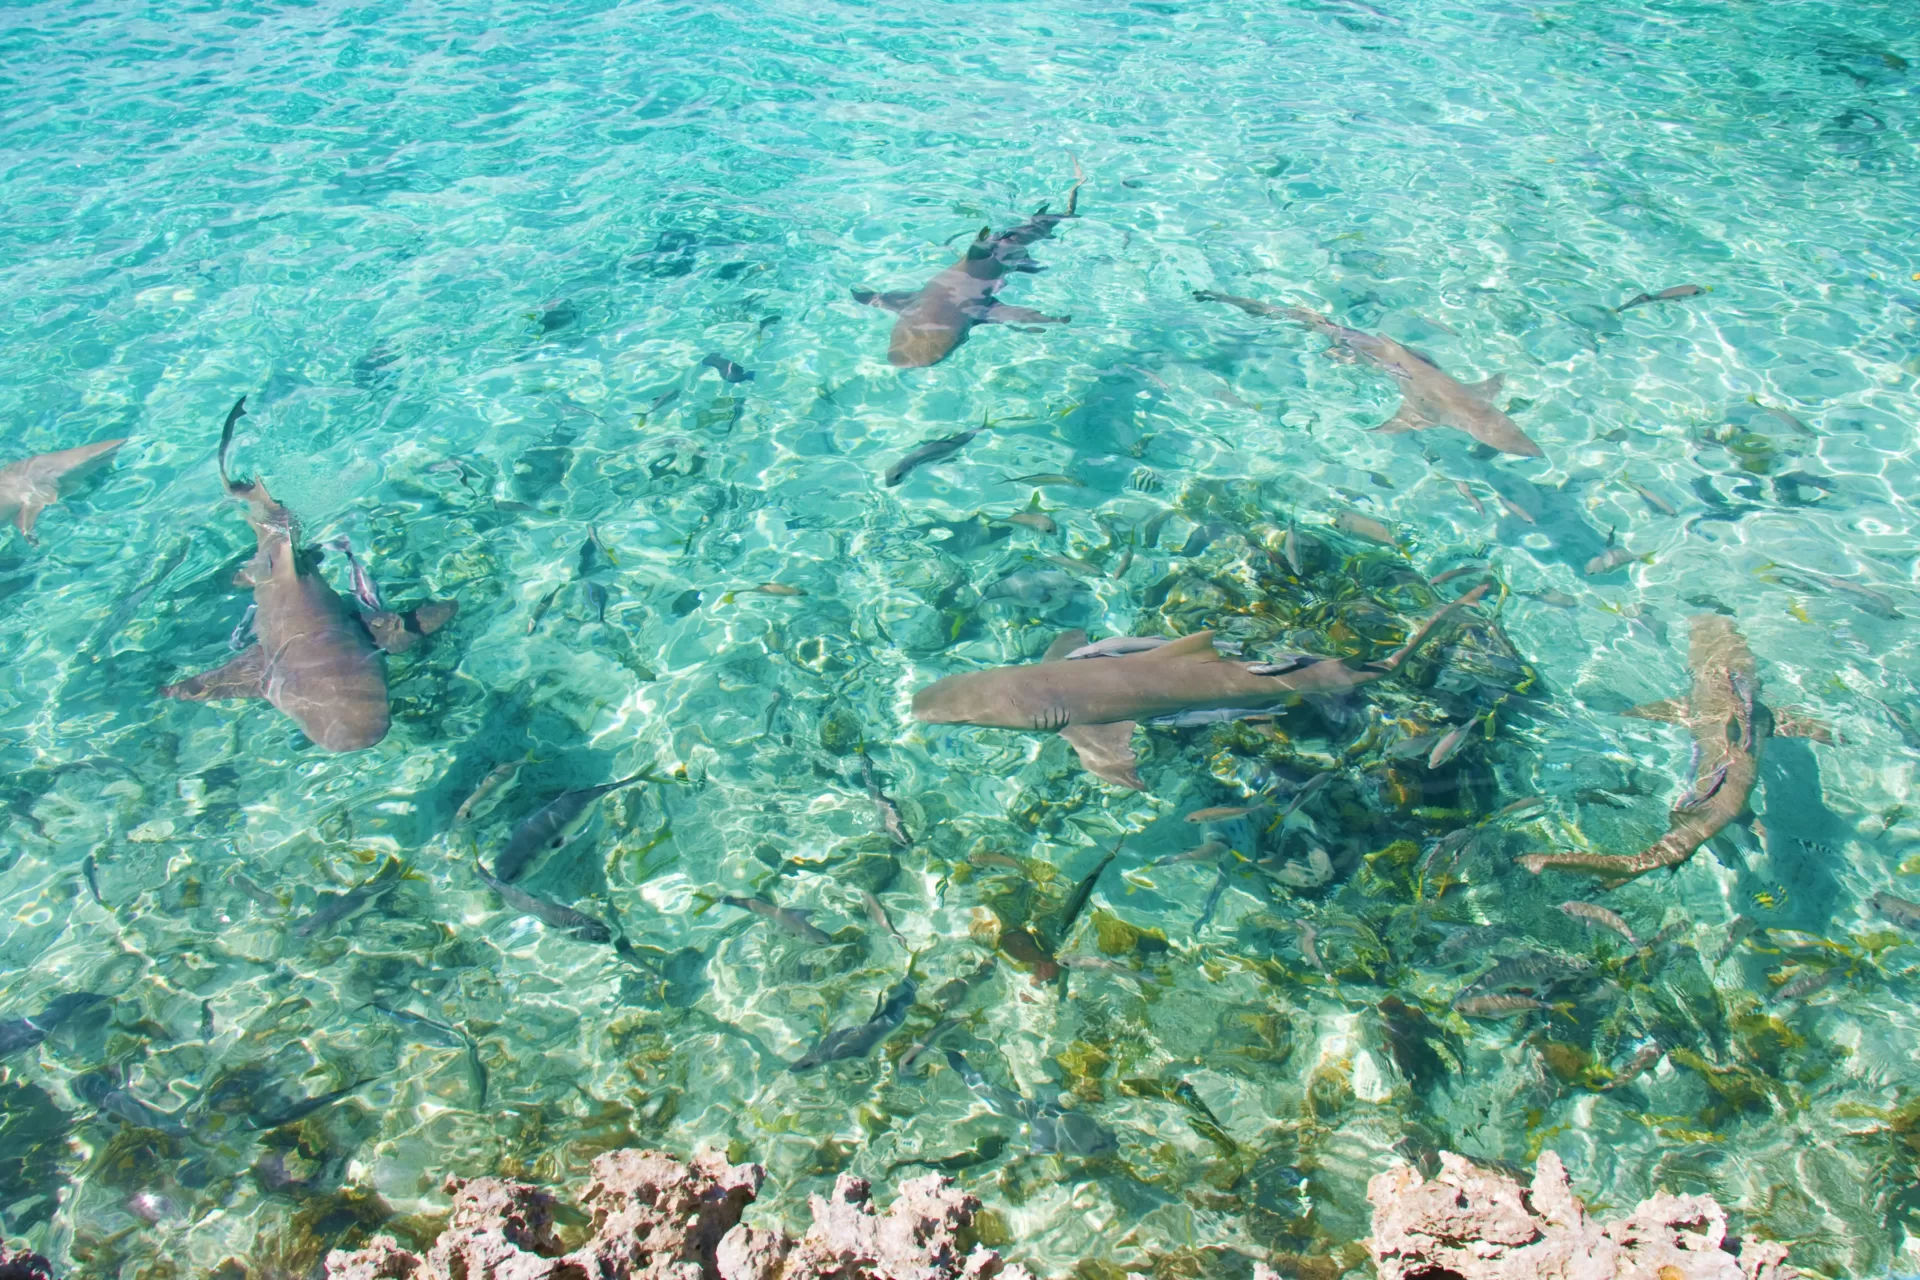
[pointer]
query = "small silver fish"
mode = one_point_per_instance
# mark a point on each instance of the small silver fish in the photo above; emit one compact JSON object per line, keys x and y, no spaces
{"x":1609,"y":560}
{"x":271,"y":901}
{"x":1807,"y":984}
{"x":90,"y":870}
{"x":336,"y":908}
{"x":578,"y":923}
{"x":1594,"y":914}
{"x":1199,"y":853}
{"x":552,"y":825}
{"x":1665,"y":295}
{"x":1653,"y":499}
{"x":1449,"y":746}
{"x":1049,"y":478}
{"x":1036,"y":520}
{"x":1126,"y":562}
{"x":890,"y":820}
{"x":1737,"y":931}
{"x":788,"y":918}
{"x":878,"y":914}
{"x":1116,"y":646}
{"x":363,"y":589}
{"x":1466,"y":491}
{"x":487,"y":793}
{"x":1902,"y":912}
{"x":1648,"y":1054}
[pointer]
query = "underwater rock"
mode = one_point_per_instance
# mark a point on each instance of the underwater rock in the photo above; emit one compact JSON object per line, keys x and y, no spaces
{"x":24,"y":1265}
{"x":1476,"y":1224}
{"x":654,"y":1217}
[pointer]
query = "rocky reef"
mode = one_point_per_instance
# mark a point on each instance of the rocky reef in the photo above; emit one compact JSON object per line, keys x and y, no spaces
{"x":23,"y":1265}
{"x":655,"y":1217}
{"x":1469,"y":1223}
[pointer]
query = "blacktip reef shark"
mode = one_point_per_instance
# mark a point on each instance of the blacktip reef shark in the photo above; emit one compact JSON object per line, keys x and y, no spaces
{"x":1429,"y":397}
{"x":320,"y":663}
{"x":1095,"y":702}
{"x":31,"y":485}
{"x":936,"y":318}
{"x":1730,"y":727}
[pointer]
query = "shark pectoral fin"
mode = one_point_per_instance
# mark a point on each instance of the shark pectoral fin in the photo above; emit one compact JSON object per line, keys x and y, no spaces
{"x":1001,"y":313}
{"x":1488,"y":389}
{"x":238,"y":679}
{"x":1106,"y":751}
{"x":1667,"y":710}
{"x":898,"y":300}
{"x":1404,"y":419}
{"x":399,"y":632}
{"x":1796,"y":724}
{"x":23,"y":518}
{"x":1064,"y":644}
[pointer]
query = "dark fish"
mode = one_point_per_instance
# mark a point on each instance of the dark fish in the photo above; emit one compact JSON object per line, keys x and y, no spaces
{"x":727,"y":369}
{"x":858,"y":1042}
{"x":664,"y":399}
{"x":1051,"y":1131}
{"x":102,"y":1090}
{"x":988,"y":1148}
{"x":305,"y":1107}
{"x":1665,"y":295}
{"x":131,"y":602}
{"x":551,"y":826}
{"x":90,"y":870}
{"x":476,"y":1069}
{"x":931,"y":451}
{"x":793,"y":921}
{"x":540,"y":609}
{"x":889,"y":813}
{"x":337,"y":907}
{"x":1902,"y":912}
{"x":24,"y":1033}
{"x":1082,"y":892}
{"x":206,"y":1020}
{"x":578,"y":923}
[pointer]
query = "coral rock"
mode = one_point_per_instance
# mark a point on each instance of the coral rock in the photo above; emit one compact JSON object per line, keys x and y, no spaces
{"x":655,"y":1218}
{"x":1473,"y":1224}
{"x":24,"y":1265}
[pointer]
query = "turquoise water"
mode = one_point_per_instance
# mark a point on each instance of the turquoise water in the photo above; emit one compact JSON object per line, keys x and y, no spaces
{"x":455,"y":256}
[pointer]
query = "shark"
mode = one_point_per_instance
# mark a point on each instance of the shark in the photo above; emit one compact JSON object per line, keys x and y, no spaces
{"x":316,"y":660}
{"x":31,"y":485}
{"x":1095,"y":703}
{"x":936,"y":318}
{"x":1430,"y":397}
{"x":1729,"y":726}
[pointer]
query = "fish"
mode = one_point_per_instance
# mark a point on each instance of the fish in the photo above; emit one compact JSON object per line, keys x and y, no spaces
{"x":1051,"y":1131}
{"x":1515,"y":510}
{"x":858,"y":1042}
{"x":727,"y":369}
{"x":1594,"y":914}
{"x":487,"y":793}
{"x":1738,"y":930}
{"x":578,"y":923}
{"x":476,"y":1069}
{"x":364,"y":589}
{"x":937,"y":317}
{"x":552,"y":825}
{"x":1125,"y":562}
{"x":1497,"y":1006}
{"x":31,"y":485}
{"x":1117,"y":647}
{"x":1429,"y":397}
{"x":988,"y":1148}
{"x":878,"y":914}
{"x":929,"y":452}
{"x":1026,"y":946}
{"x":664,"y":399}
{"x":540,"y":609}
{"x":1311,"y":874}
{"x":1644,"y":1057}
{"x":241,"y":881}
{"x":237,"y":639}
{"x":1610,"y":559}
{"x":130,"y":603}
{"x":1466,"y":491}
{"x":305,"y":1107}
{"x":1082,"y":893}
{"x":764,"y":589}
{"x":1054,"y":478}
{"x":206,"y":1020}
{"x":1363,"y":526}
{"x":336,"y":908}
{"x":1652,"y":499}
{"x":1212,"y":903}
{"x":1072,"y":565}
{"x":1716,"y":653}
{"x":314,"y":660}
{"x":100,"y":1089}
{"x":889,"y":813}
{"x":1204,"y":852}
{"x":1457,"y":571}
{"x":1096,"y":704}
{"x":1877,"y":603}
{"x":1309,"y":951}
{"x":90,"y":872}
{"x":926,"y":1042}
{"x":793,"y":921}
{"x":1902,"y":912}
{"x":1034,"y":586}
{"x":1806,"y":984}
{"x":1226,"y":812}
{"x":24,"y":1033}
{"x":1665,"y":295}
{"x":1449,"y":746}
{"x":1034,"y":519}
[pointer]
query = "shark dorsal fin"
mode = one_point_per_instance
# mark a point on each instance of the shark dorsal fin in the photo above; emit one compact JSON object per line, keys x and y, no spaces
{"x":1065,"y":643}
{"x":1034,"y":503}
{"x":1199,"y":644}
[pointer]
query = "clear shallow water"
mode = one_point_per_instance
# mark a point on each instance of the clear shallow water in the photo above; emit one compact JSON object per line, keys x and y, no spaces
{"x":419,"y":234}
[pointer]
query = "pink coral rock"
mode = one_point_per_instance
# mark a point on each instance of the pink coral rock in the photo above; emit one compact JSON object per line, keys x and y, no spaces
{"x":24,"y":1265}
{"x":655,"y":1218}
{"x":1474,"y":1224}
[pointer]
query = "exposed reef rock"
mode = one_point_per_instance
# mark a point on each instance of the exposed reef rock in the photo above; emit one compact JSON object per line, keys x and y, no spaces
{"x":655,"y":1218}
{"x":1474,"y":1224}
{"x":24,"y":1266}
